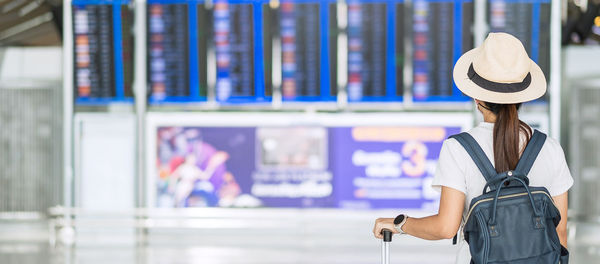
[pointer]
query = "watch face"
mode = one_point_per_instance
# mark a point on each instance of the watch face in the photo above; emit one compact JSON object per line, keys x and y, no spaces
{"x":399,"y":219}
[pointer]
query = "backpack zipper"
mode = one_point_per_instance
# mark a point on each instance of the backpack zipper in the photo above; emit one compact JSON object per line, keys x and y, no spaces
{"x":504,"y":197}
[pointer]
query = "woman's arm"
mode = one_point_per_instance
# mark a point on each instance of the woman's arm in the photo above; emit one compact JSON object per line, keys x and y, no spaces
{"x":562,"y":203}
{"x":443,"y":225}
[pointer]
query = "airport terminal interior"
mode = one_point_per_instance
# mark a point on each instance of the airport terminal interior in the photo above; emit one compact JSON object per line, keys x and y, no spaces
{"x":264,"y":131}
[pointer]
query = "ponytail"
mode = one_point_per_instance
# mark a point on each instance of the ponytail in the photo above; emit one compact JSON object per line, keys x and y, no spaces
{"x":507,"y":132}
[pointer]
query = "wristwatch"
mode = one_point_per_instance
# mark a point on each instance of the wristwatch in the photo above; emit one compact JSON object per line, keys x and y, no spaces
{"x":399,"y":222}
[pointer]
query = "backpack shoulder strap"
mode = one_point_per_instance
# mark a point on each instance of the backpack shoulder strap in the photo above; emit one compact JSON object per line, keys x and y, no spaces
{"x":531,"y":152}
{"x":477,"y":154}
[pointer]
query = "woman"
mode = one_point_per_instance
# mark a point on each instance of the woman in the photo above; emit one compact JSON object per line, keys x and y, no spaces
{"x":499,"y":76}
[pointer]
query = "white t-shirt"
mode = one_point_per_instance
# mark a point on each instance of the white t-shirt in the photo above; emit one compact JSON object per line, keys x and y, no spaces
{"x":456,"y":169}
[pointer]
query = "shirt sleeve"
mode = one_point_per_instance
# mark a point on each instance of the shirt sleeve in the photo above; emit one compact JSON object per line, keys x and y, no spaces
{"x":449,"y":171}
{"x":562,"y":181}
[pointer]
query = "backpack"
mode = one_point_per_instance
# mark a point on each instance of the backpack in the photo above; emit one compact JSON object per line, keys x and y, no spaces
{"x":511,"y":222}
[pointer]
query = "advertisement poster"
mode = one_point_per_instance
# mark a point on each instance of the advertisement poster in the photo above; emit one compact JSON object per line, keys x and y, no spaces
{"x":298,"y":167}
{"x":386,"y":167}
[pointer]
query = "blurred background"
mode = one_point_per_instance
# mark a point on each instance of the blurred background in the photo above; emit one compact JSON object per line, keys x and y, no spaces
{"x":256,"y":131}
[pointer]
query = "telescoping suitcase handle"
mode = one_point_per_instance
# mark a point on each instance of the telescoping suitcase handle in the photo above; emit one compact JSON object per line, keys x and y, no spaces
{"x":385,"y":246}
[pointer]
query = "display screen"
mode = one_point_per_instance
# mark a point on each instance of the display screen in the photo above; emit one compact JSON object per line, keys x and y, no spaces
{"x":103,"y":52}
{"x":234,"y":45}
{"x":307,"y":34}
{"x":94,"y":54}
{"x":366,"y":49}
{"x":331,"y":45}
{"x":127,"y":17}
{"x":204,"y":38}
{"x":270,"y":33}
{"x":375,"y":52}
{"x":398,"y":59}
{"x":439,"y":29}
{"x":178,"y":42}
{"x":300,"y":47}
{"x":168,"y":51}
{"x":528,"y":22}
{"x":332,"y":167}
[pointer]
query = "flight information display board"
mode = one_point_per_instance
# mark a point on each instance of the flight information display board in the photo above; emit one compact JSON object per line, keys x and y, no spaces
{"x":441,"y":34}
{"x":177,"y":41}
{"x":168,"y":50}
{"x":103,"y":51}
{"x":243,"y":35}
{"x":528,"y":21}
{"x":239,"y":55}
{"x":308,"y":35}
{"x":375,"y":52}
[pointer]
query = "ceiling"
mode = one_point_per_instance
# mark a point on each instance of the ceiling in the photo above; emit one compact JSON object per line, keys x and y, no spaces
{"x":30,"y":22}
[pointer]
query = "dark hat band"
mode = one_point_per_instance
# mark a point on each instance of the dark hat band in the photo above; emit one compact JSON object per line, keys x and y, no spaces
{"x":498,"y":87}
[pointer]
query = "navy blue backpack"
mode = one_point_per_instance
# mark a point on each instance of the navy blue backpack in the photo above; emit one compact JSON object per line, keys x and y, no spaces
{"x":511,"y":222}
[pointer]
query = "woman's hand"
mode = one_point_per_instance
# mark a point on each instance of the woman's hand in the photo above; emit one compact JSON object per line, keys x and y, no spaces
{"x":383,"y":223}
{"x":443,"y":225}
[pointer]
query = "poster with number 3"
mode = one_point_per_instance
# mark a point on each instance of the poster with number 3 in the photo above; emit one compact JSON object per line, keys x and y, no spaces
{"x":386,"y":167}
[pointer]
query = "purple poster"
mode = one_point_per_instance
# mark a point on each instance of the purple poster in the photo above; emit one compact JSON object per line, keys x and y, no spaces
{"x":300,"y":167}
{"x":386,"y":167}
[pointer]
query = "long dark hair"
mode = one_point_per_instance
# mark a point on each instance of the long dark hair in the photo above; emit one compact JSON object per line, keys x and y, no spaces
{"x":507,"y":132}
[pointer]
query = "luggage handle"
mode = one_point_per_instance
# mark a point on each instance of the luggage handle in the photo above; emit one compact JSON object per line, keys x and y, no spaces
{"x":387,"y":235}
{"x":385,"y":246}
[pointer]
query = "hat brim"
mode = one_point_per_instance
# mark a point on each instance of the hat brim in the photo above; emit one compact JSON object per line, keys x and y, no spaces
{"x":535,"y":90}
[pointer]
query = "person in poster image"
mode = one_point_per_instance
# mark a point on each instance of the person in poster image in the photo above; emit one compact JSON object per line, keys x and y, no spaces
{"x":192,"y":169}
{"x":189,"y":177}
{"x":229,"y":191}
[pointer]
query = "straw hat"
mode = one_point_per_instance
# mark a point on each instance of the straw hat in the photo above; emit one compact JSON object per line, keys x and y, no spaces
{"x":499,"y":71}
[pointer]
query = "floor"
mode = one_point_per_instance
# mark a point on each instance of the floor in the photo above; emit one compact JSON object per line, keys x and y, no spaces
{"x":27,"y":243}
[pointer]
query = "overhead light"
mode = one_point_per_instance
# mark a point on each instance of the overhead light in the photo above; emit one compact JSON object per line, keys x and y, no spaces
{"x":29,"y":7}
{"x":27,"y":25}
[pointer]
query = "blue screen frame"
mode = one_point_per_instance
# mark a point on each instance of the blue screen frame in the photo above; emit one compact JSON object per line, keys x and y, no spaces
{"x":117,"y":53}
